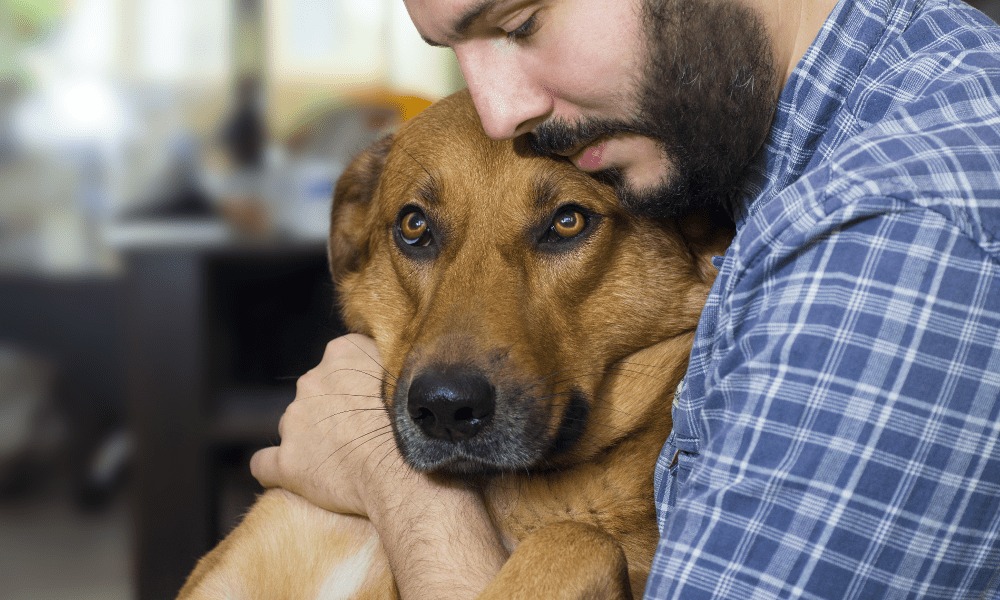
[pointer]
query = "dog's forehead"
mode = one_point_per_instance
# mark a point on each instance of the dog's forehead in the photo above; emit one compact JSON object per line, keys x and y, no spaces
{"x":449,"y":135}
{"x":443,"y":165}
{"x":495,"y":177}
{"x":444,"y":157}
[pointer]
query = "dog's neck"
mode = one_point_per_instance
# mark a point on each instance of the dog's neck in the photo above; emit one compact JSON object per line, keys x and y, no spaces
{"x":630,"y":423}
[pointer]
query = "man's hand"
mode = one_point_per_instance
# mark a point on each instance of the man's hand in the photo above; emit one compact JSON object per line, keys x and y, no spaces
{"x":337,"y":451}
{"x":335,"y":436}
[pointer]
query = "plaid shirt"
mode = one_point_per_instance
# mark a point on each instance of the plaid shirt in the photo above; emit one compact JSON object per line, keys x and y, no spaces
{"x":838,"y":432}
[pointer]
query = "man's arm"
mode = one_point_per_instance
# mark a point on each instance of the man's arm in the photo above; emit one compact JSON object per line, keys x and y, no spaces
{"x":337,"y":451}
{"x":439,"y":539}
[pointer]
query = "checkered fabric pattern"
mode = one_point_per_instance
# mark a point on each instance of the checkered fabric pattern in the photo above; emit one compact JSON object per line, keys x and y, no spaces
{"x":838,"y":432}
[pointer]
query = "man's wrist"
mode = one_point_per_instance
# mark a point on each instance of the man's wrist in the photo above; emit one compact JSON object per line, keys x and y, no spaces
{"x":439,"y":538}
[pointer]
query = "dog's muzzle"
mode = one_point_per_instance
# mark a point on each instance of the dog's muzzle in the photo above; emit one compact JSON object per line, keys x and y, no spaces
{"x":455,"y":418}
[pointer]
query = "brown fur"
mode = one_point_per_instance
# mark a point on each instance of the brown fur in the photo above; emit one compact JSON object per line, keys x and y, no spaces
{"x":607,"y":320}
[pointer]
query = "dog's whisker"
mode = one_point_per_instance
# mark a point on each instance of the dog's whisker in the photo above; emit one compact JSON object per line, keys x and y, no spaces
{"x":332,"y":395}
{"x":644,"y":370}
{"x":598,"y":424}
{"x":636,"y":367}
{"x":373,"y":433}
{"x":636,"y":363}
{"x":585,"y":375}
{"x":381,"y":366}
{"x":349,"y":410}
{"x":551,"y":374}
{"x":362,"y":371}
{"x":355,"y":444}
{"x":384,"y":455}
{"x":619,"y":411}
{"x":603,"y":407}
{"x":567,"y":393}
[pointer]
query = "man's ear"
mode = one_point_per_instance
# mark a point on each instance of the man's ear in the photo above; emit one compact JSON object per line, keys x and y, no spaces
{"x":352,"y":198}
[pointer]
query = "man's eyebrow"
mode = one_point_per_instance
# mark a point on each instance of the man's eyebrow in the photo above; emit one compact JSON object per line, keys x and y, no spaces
{"x":468,"y":19}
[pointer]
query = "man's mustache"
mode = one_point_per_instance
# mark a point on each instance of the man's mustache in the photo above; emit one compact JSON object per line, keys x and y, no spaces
{"x":559,"y":137}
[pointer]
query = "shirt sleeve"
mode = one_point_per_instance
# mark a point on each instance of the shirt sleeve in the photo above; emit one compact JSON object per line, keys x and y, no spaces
{"x":851,"y":424}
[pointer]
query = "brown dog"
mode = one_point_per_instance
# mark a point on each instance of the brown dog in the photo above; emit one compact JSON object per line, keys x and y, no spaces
{"x":529,"y":327}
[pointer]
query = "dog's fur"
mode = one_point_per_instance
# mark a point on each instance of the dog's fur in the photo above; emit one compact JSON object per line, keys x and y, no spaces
{"x":582,"y":341}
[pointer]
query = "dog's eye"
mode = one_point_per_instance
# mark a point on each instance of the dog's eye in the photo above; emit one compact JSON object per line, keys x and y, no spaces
{"x":413,"y":228}
{"x":568,"y":223}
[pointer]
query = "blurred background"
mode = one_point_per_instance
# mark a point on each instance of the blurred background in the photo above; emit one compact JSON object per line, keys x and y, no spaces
{"x":165,"y":175}
{"x":166,"y":169}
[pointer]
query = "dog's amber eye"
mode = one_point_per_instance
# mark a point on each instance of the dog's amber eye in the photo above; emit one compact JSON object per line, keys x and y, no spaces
{"x":413,"y":228}
{"x":569,"y":222}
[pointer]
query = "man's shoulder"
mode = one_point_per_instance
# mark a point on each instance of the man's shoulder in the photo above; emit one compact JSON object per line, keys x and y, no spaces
{"x":944,"y":25}
{"x":920,"y":131}
{"x":943,"y":50}
{"x":920,"y":123}
{"x":936,"y":28}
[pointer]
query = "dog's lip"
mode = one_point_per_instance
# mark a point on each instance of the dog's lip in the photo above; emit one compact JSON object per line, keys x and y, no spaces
{"x":458,"y":460}
{"x":465,"y":465}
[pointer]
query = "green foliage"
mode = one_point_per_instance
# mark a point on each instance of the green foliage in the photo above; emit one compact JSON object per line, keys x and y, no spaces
{"x":23,"y":23}
{"x":32,"y":18}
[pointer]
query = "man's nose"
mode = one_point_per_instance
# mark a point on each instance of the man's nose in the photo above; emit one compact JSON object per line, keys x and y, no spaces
{"x":510,"y":101}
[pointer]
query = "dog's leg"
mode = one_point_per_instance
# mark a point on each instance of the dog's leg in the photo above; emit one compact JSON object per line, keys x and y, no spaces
{"x":565,"y":560}
{"x":288,"y":549}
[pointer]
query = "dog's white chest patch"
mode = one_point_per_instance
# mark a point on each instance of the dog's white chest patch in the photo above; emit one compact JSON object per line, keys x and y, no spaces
{"x":346,"y":578}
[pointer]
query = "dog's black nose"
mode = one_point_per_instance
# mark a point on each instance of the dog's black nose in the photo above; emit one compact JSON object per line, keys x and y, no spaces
{"x":450,"y":403}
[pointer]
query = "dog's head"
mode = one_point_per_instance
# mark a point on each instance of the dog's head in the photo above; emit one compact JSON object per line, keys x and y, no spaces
{"x":501,"y":288}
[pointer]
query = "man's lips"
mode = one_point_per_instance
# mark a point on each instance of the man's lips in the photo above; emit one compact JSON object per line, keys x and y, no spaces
{"x":590,"y":158}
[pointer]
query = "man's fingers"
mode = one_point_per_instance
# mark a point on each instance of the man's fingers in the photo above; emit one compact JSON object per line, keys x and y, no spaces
{"x":264,"y":466}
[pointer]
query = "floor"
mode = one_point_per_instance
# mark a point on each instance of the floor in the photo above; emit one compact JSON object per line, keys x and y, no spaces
{"x":49,"y":549}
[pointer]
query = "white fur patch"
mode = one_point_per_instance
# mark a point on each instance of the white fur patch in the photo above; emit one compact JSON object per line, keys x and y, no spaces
{"x":346,"y":578}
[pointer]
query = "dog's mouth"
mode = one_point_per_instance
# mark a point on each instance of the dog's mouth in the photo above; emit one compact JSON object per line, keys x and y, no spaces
{"x":455,"y":420}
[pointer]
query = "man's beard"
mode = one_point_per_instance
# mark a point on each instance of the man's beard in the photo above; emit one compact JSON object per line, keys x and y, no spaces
{"x":707,"y":96}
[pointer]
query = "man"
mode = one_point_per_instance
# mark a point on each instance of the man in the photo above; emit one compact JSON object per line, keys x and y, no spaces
{"x":838,"y":432}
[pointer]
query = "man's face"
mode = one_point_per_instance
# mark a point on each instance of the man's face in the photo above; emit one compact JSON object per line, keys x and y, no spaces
{"x":666,"y":99}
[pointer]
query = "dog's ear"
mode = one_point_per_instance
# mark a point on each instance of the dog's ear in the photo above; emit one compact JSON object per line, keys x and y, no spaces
{"x":707,"y":234}
{"x":348,"y":248}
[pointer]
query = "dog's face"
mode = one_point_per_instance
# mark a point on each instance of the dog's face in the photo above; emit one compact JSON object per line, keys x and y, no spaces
{"x":500,"y":288}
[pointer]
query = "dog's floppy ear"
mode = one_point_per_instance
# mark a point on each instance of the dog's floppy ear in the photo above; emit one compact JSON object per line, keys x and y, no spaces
{"x":352,"y":198}
{"x":707,"y":234}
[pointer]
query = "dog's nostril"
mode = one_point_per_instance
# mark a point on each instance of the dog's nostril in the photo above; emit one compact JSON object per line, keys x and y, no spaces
{"x":422,"y":414}
{"x":450,"y":403}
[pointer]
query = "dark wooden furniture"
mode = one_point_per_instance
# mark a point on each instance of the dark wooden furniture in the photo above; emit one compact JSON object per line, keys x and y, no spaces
{"x":216,"y":335}
{"x":72,"y":322}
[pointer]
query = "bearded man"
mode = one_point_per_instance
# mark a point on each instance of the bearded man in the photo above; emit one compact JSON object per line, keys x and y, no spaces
{"x":838,"y":431}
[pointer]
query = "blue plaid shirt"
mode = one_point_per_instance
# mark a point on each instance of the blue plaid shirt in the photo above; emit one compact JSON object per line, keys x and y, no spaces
{"x":838,"y":432}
